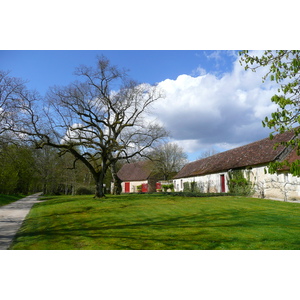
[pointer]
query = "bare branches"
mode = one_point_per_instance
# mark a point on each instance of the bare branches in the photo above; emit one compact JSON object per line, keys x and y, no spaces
{"x":99,"y":120}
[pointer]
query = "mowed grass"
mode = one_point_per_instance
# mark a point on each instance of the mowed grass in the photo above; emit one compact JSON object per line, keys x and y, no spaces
{"x":160,"y":222}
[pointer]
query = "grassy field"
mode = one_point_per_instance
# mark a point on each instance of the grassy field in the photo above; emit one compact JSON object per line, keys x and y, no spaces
{"x":6,"y":199}
{"x":160,"y":222}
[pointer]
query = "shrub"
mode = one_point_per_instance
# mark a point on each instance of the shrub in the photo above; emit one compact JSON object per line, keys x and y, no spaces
{"x":190,"y":194}
{"x":186,"y":187}
{"x":84,"y":191}
{"x":165,"y":187}
{"x":238,"y":184}
{"x":191,"y":187}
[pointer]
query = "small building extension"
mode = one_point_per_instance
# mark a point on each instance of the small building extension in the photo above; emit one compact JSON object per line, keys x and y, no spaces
{"x":138,"y":174}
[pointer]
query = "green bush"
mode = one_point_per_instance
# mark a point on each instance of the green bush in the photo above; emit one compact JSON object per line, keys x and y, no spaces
{"x":84,"y":191}
{"x":165,"y":187}
{"x":238,"y":184}
{"x":193,"y":194}
{"x":186,"y":187}
{"x":191,"y":187}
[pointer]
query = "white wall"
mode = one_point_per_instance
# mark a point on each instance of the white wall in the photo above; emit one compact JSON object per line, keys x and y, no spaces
{"x":271,"y":186}
{"x":207,"y":183}
{"x":133,"y":185}
{"x":283,"y":186}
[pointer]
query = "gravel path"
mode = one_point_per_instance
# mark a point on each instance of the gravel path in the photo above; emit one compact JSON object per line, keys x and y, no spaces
{"x":12,"y":217}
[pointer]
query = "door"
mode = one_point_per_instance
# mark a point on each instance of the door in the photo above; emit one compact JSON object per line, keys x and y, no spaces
{"x":144,"y":188}
{"x":127,"y":187}
{"x":158,"y":186}
{"x":222,"y":179}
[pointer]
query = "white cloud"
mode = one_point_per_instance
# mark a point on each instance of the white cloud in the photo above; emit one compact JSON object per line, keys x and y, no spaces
{"x":207,"y":110}
{"x":189,"y":146}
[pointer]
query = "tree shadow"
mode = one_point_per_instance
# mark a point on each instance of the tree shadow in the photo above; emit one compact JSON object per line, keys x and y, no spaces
{"x":197,"y":231}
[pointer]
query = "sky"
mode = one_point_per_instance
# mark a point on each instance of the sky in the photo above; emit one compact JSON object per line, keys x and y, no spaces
{"x":210,"y":103}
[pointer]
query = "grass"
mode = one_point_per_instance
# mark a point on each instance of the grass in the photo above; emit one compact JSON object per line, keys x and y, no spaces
{"x":160,"y":222}
{"x":6,"y":199}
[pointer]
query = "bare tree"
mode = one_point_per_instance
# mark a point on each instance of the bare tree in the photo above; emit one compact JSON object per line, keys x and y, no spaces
{"x":10,"y":87}
{"x":169,"y":158}
{"x":209,"y":152}
{"x":99,"y":120}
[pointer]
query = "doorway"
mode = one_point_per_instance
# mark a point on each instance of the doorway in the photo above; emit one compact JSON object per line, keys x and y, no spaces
{"x":127,"y":187}
{"x":223,"y":187}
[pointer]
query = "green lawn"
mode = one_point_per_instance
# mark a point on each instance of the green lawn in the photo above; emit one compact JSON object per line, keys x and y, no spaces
{"x":160,"y":222}
{"x":6,"y":199}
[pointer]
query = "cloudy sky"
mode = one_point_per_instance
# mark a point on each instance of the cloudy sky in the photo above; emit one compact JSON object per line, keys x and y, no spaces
{"x":210,"y":101}
{"x":217,"y":109}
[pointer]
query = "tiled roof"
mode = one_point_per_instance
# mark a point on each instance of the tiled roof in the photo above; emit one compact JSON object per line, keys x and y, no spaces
{"x":135,"y":171}
{"x":256,"y":153}
{"x":290,"y":158}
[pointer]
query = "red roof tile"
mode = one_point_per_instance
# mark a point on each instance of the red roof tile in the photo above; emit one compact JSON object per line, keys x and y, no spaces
{"x":291,"y":157}
{"x":135,"y":171}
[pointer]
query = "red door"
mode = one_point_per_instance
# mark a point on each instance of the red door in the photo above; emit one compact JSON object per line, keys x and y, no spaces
{"x":158,"y":186}
{"x":127,"y":187}
{"x":144,"y":188}
{"x":222,"y":178}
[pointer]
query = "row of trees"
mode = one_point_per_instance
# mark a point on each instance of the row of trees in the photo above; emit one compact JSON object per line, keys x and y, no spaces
{"x":25,"y":170}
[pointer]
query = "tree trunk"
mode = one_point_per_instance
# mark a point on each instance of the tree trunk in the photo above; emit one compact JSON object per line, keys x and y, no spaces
{"x":117,"y":186}
{"x":117,"y":181}
{"x":99,"y":181}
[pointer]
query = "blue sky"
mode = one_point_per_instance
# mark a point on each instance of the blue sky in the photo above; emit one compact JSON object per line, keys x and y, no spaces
{"x":211,"y":102}
{"x":46,"y":68}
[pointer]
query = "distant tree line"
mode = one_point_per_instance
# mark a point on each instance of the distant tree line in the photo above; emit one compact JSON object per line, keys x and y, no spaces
{"x":25,"y":170}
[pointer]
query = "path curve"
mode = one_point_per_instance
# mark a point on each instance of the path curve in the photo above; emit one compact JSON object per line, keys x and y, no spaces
{"x":12,"y":217}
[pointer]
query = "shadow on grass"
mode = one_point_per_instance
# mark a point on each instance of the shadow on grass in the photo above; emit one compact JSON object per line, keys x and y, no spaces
{"x":55,"y":201}
{"x":233,"y":230}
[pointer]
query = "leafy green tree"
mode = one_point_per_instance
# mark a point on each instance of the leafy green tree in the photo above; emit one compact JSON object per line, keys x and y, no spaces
{"x":17,"y":169}
{"x":282,"y":67}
